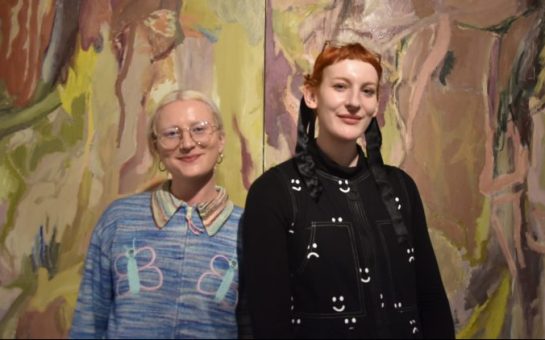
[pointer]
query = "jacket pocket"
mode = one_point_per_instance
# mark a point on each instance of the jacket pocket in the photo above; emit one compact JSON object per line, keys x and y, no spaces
{"x":327,"y":281}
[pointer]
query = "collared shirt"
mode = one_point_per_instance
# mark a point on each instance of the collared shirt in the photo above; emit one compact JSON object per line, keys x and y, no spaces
{"x":213,"y":213}
{"x":141,"y":281}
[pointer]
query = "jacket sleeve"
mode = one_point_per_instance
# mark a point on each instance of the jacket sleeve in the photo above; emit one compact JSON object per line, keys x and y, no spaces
{"x":435,"y":314}
{"x":265,"y":270}
{"x":95,"y":294}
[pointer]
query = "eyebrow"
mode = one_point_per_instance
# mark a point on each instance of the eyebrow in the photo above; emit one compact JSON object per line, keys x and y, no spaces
{"x":367,"y":83}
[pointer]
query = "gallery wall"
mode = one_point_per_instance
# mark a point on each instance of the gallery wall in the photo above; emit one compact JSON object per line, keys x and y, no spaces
{"x":462,"y":110}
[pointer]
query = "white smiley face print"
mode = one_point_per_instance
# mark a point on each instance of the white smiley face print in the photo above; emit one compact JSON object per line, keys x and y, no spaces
{"x":343,"y":186}
{"x":295,"y":184}
{"x":367,"y":277}
{"x":410,"y":253}
{"x":338,"y":304}
{"x":398,"y":203}
{"x":412,"y":324}
{"x":312,"y":251}
{"x":350,"y":323}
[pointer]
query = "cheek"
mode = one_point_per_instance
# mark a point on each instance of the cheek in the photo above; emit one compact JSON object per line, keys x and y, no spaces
{"x":164,"y":154}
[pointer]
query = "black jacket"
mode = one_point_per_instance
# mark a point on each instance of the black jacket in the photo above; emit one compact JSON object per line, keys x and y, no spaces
{"x":335,"y":268}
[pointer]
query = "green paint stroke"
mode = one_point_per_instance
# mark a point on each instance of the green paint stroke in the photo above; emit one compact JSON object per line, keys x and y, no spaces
{"x":488,"y":319}
{"x":71,"y":132}
{"x":448,"y":65}
{"x":504,"y":26}
{"x":6,"y":101}
{"x":18,"y":185}
{"x":18,"y":120}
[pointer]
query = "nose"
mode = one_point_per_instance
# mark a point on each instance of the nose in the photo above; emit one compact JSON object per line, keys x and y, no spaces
{"x":353,"y":102}
{"x":186,"y":143}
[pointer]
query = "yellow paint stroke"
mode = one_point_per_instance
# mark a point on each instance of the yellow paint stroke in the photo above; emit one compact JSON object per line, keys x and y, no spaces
{"x":286,"y":33}
{"x":79,"y":83}
{"x":392,"y":146}
{"x":65,"y":284}
{"x":248,"y":13}
{"x":488,"y":319}
{"x":240,"y":94}
{"x":198,"y":12}
{"x":482,"y":231}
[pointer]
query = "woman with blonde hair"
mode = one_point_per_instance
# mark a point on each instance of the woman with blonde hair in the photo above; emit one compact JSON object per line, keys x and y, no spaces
{"x":164,"y":264}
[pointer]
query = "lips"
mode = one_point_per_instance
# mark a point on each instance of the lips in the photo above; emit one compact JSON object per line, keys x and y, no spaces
{"x":189,"y":158}
{"x":350,"y":119}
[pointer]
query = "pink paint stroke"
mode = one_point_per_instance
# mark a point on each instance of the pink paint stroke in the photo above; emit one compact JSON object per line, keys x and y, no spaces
{"x":247,"y":162}
{"x":435,"y":57}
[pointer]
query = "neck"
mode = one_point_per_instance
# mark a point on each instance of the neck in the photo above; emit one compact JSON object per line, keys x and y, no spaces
{"x":342,"y":152}
{"x":194,"y":190}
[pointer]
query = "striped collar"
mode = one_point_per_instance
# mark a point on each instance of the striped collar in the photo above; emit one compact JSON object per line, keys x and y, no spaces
{"x":213,"y":213}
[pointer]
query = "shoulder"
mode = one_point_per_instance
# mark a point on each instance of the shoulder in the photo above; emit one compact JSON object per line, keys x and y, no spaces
{"x":404,"y":184}
{"x":128,"y":205}
{"x":236,"y":213}
{"x":403,"y":176}
{"x":125,"y":208}
{"x":274,"y":178}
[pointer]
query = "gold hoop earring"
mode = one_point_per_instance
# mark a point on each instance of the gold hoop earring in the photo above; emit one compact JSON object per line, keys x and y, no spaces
{"x":161,"y":166}
{"x":220,"y":159}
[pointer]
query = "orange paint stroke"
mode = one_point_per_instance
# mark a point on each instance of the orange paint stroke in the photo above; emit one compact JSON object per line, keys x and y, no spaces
{"x":434,"y":58}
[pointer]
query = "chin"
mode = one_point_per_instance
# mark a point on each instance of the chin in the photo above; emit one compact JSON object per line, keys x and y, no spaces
{"x":350,"y":136}
{"x":194,"y":174}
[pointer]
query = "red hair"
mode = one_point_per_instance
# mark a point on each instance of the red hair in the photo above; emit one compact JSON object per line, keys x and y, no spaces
{"x":332,"y":54}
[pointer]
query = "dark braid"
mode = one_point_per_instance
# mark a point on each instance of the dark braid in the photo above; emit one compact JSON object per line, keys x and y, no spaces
{"x":303,"y":159}
{"x":373,"y":139}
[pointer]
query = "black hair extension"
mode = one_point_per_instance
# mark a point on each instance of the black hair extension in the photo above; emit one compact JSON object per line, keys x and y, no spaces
{"x":373,"y":139}
{"x":303,"y":159}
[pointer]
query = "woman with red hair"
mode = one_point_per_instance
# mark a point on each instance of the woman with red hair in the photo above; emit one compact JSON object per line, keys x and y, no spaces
{"x":335,"y":242}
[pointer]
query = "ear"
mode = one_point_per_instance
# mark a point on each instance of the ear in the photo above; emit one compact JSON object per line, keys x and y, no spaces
{"x":221,"y":137}
{"x":376,"y":112}
{"x":310,"y":97}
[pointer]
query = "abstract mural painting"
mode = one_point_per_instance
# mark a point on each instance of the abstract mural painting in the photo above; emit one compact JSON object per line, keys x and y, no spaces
{"x":78,"y":82}
{"x":462,"y":110}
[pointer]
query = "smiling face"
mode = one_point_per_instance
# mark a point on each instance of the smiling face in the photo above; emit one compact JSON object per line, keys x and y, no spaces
{"x":345,"y":101}
{"x":193,"y":157}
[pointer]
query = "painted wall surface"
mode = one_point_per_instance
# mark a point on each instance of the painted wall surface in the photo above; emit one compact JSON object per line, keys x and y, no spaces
{"x":79,"y":81}
{"x":462,"y":111}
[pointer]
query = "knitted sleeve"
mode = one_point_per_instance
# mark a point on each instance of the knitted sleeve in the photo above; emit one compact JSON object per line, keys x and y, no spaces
{"x":95,"y":294}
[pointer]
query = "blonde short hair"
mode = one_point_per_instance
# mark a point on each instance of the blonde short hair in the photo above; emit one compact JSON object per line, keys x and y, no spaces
{"x":181,"y":95}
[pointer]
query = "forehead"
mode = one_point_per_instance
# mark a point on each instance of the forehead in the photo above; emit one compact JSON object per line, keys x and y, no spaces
{"x":184,"y":112}
{"x":350,"y":69}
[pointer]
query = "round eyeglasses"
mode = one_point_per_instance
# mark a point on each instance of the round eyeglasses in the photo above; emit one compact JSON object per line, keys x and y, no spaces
{"x":200,"y":132}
